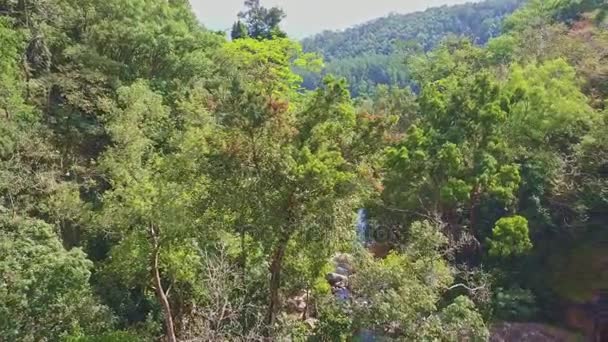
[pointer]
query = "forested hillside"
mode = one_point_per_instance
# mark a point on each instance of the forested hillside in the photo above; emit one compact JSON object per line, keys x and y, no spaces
{"x":479,"y":21}
{"x":159,"y":182}
{"x":373,"y":53}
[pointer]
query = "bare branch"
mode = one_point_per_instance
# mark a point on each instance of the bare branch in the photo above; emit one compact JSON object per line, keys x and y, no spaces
{"x":474,"y":289}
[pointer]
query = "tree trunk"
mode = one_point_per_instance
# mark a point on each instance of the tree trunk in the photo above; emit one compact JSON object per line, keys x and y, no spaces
{"x":158,"y":289}
{"x":276,"y":266}
{"x":243,"y":253}
{"x":473,"y":209}
{"x":25,"y":12}
{"x":475,"y":201}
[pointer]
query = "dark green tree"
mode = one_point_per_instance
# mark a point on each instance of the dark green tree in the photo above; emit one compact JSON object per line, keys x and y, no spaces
{"x":262,"y":22}
{"x":239,"y":31}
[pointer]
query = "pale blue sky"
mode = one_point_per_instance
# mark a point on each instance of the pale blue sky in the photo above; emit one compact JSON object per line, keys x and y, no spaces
{"x":306,"y":17}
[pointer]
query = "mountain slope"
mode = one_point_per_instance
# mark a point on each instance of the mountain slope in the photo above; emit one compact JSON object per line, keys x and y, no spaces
{"x":365,"y":54}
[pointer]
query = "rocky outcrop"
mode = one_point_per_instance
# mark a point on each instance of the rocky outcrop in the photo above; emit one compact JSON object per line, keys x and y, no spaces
{"x":338,"y":280}
{"x":530,"y":332}
{"x":297,"y":303}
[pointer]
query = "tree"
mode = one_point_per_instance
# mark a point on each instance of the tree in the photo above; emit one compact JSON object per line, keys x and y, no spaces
{"x":290,"y":160}
{"x":573,"y":10}
{"x":460,"y":321}
{"x":510,"y":236}
{"x":286,"y":167}
{"x":373,"y":53}
{"x":180,"y":184}
{"x":592,"y":161}
{"x":11,"y":102}
{"x":224,"y":312}
{"x":400,"y":294}
{"x":547,"y":105}
{"x":143,"y":207}
{"x":25,"y":185}
{"x":239,"y":31}
{"x":261,"y":22}
{"x":453,"y":160}
{"x":38,"y":277}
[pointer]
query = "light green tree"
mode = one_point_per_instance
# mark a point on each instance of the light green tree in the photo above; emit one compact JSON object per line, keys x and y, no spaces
{"x":292,"y":160}
{"x":147,"y":206}
{"x":401,"y":293}
{"x":510,"y":236}
{"x":44,"y":289}
{"x":454,"y":158}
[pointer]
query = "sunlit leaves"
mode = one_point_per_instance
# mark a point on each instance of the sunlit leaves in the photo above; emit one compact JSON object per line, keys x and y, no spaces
{"x":267,"y":64}
{"x":546,"y":102}
{"x":510,"y":237}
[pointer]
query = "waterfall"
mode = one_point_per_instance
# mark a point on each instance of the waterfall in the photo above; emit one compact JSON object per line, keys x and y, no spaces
{"x":363,"y":238}
{"x":362,"y":227}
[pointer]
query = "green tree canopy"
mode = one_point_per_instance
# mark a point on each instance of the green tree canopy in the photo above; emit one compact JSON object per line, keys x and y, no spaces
{"x":44,"y":288}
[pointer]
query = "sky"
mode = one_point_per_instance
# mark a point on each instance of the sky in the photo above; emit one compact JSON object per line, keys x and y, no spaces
{"x":307,"y":17}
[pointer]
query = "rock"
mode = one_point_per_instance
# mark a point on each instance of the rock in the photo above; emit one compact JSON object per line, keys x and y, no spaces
{"x":312,"y":322}
{"x":393,"y":329}
{"x":366,"y":336}
{"x":343,"y":271}
{"x":341,"y":285}
{"x":345,"y":263}
{"x":530,"y":332}
{"x":301,"y":307}
{"x":379,"y":250}
{"x":292,"y":305}
{"x":334,"y":278}
{"x":297,"y":303}
{"x":341,"y":293}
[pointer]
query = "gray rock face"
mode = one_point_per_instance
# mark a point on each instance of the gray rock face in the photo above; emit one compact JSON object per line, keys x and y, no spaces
{"x":297,"y":303}
{"x":334,"y":278}
{"x":341,"y":293}
{"x":338,"y":279}
{"x":344,"y":264}
{"x":343,"y":271}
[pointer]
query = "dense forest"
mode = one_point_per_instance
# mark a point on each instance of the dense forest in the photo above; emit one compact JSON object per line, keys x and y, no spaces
{"x":373,"y":53}
{"x":160,"y":182}
{"x":479,"y":21}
